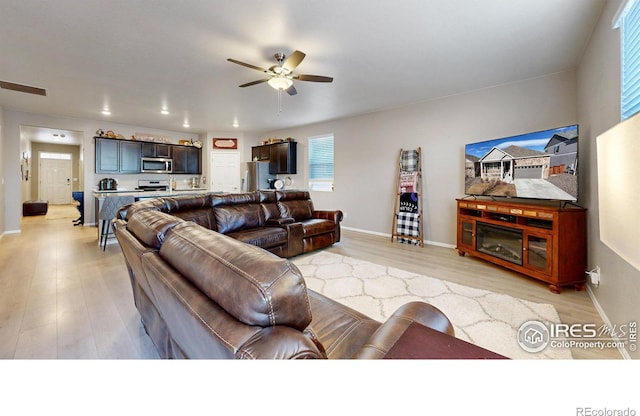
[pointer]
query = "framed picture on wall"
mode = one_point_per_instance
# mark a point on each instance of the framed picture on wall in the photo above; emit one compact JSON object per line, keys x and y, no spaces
{"x":225,"y":143}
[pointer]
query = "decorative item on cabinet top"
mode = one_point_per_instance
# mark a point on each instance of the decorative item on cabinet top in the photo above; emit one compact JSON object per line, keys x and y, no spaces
{"x":109,"y":134}
{"x":148,"y":137}
{"x":225,"y":143}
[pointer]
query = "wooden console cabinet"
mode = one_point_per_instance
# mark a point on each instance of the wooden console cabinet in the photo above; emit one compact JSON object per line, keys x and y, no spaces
{"x":548,"y":243}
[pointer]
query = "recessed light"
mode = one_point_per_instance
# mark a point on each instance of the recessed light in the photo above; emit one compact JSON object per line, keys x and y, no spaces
{"x":235,"y":124}
{"x":164,"y":111}
{"x":106,"y":112}
{"x":185,"y":125}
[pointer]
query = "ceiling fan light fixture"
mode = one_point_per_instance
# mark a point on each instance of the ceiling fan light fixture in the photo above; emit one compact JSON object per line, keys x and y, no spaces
{"x":280,"y":83}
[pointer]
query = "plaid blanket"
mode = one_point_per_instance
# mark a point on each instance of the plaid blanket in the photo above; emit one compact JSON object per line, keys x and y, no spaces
{"x":409,"y":161}
{"x":408,"y":225}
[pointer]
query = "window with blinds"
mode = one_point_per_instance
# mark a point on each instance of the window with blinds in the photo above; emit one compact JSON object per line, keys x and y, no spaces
{"x":629,"y":24}
{"x":321,"y":163}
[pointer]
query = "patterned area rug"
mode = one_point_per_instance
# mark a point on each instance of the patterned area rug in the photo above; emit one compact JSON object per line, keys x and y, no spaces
{"x":484,"y":318}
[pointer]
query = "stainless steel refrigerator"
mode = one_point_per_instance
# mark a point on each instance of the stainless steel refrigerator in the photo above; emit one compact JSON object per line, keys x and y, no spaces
{"x":257,"y":176}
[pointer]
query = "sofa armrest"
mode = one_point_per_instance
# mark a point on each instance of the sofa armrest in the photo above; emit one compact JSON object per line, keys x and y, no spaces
{"x":295,"y":234}
{"x":279,"y":342}
{"x":279,"y":221}
{"x":389,"y":332}
{"x":335,"y":216}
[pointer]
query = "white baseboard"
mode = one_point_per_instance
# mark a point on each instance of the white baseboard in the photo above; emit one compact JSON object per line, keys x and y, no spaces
{"x":432,"y":243}
{"x":605,"y":319}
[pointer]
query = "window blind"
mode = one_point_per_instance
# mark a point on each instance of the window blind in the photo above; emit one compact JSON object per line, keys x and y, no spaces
{"x":630,"y":43}
{"x":321,"y":163}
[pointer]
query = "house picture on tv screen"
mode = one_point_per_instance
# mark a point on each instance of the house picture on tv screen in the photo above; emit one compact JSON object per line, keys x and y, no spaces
{"x":539,"y":165}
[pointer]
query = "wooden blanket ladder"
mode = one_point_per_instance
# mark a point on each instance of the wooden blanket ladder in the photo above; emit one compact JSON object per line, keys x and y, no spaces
{"x":408,"y":224}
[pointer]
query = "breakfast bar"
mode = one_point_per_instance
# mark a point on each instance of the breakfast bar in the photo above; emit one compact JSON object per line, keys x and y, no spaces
{"x":107,"y":202}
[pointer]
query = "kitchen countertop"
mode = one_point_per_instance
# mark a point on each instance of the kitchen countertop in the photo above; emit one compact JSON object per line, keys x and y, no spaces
{"x":138,"y":192}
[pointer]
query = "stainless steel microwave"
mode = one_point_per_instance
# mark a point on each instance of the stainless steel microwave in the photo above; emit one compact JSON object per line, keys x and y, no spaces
{"x":156,"y":165}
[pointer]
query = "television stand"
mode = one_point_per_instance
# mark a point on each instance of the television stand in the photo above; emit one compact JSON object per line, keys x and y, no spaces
{"x":548,"y":243}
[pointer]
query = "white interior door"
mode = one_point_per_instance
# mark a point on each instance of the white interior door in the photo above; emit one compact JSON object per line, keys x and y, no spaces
{"x":225,"y":171}
{"x":55,"y":181}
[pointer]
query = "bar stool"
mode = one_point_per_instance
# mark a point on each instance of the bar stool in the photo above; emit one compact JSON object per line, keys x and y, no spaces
{"x":108,"y":211}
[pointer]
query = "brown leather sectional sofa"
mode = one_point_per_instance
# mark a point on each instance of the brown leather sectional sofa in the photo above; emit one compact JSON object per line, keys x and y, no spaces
{"x":203,"y":294}
{"x":282,"y":222}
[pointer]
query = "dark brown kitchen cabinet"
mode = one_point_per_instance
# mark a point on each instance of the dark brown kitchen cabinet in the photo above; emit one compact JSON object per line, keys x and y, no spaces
{"x":282,"y":157}
{"x":123,"y":156}
{"x":260,"y":153}
{"x":186,"y":159}
{"x":156,"y":150}
{"x":117,"y":156}
{"x":129,"y":157}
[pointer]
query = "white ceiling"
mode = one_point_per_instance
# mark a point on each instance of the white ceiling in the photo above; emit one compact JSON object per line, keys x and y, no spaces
{"x":136,"y":56}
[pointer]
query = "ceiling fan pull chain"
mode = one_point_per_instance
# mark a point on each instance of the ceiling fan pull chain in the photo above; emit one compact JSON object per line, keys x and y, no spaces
{"x":279,"y":101}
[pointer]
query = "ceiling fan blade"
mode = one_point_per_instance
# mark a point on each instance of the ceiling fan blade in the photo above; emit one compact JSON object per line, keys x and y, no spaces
{"x":291,"y":90}
{"x":293,"y":60}
{"x":313,"y":78}
{"x":257,"y":68}
{"x":248,"y":84}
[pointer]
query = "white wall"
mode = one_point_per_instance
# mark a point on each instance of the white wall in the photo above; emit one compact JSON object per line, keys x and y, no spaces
{"x":598,"y":110}
{"x":15,"y":191}
{"x":367,"y":148}
{"x":3,"y":198}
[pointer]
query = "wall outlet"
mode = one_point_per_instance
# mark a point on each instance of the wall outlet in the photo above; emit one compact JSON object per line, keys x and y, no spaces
{"x":594,"y":275}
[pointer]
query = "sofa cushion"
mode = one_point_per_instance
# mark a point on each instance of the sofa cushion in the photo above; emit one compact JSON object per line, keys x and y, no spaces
{"x":203,"y":216}
{"x":196,"y":208}
{"x":266,"y":237}
{"x":317,"y":226}
{"x":341,"y":330}
{"x":295,"y":204}
{"x":269,"y":205}
{"x":251,"y":284}
{"x":187,"y":202}
{"x":151,"y":227}
{"x":230,"y":218}
{"x":155,"y":204}
{"x":234,"y":199}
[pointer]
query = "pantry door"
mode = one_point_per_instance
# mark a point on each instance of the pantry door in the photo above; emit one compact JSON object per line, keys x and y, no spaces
{"x":225,"y":171}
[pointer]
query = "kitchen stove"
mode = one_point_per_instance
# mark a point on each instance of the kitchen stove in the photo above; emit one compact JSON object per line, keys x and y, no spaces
{"x":152,"y":185}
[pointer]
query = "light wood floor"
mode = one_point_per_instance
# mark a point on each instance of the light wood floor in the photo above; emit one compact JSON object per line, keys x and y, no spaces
{"x":445,"y":263}
{"x":61,"y":296}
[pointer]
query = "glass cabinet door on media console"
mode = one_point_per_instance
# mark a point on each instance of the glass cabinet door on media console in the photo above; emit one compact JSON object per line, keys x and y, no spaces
{"x":467,"y":233}
{"x":538,"y":252}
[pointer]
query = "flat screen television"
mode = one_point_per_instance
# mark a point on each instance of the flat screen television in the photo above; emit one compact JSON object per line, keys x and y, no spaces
{"x":538,"y":165}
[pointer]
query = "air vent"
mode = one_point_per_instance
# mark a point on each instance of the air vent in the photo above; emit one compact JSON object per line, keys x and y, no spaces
{"x":22,"y":88}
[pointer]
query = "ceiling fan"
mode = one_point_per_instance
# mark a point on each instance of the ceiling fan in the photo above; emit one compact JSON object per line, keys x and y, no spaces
{"x":280,"y":75}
